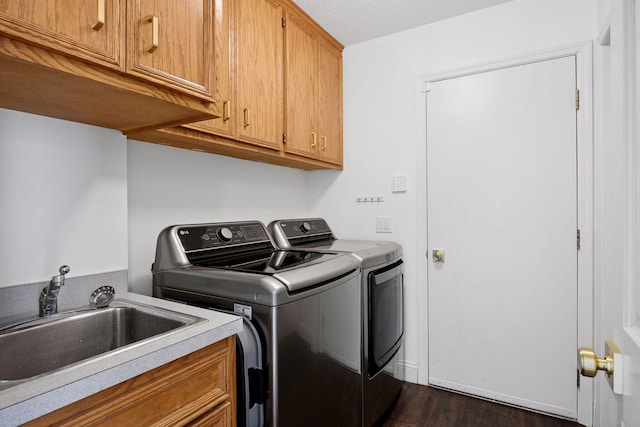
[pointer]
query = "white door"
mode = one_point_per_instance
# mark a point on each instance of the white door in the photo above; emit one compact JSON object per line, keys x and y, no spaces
{"x":502,"y":205}
{"x":618,"y":215}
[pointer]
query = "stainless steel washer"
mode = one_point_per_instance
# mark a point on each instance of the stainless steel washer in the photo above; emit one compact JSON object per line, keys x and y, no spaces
{"x":298,"y":358}
{"x":382,"y":304}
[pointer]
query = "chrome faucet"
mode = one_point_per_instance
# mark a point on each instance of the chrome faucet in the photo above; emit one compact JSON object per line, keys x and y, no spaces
{"x":49,"y":295}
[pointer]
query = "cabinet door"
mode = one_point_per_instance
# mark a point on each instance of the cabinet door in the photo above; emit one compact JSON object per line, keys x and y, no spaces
{"x":257,"y":28}
{"x":221,"y":416}
{"x":90,"y":30}
{"x":198,"y":388}
{"x":171,"y":43}
{"x":329,"y":104}
{"x":300,"y":89}
{"x":225,"y":124}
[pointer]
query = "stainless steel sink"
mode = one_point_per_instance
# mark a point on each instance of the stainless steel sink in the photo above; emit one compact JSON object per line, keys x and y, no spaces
{"x":48,"y":344}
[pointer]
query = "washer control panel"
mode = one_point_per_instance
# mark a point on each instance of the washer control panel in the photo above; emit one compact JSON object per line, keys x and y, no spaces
{"x":206,"y":236}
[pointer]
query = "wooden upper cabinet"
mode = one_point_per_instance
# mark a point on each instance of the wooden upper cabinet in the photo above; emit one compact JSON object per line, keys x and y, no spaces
{"x":91,"y":30}
{"x":278,"y":76}
{"x":313,"y":93}
{"x":257,"y":43}
{"x":301,"y":88}
{"x":171,"y":43}
{"x":249,"y":105}
{"x":329,"y":104}
{"x":225,"y":98}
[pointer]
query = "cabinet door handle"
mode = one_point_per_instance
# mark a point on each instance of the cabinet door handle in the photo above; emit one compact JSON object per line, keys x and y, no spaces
{"x":313,"y":139}
{"x":100,"y":21}
{"x":246,"y":117}
{"x":324,"y":142}
{"x":154,"y":30}
{"x":226,"y":107}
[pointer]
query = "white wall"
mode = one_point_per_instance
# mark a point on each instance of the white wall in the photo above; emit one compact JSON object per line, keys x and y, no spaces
{"x":63,"y":198}
{"x":64,"y":188}
{"x":380,"y":123}
{"x":170,"y":186}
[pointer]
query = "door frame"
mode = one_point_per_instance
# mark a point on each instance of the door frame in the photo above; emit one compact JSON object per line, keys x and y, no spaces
{"x":585,"y":163}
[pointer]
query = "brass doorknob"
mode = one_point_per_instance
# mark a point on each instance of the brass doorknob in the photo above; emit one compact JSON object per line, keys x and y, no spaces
{"x":590,"y":364}
{"x":437,"y":255}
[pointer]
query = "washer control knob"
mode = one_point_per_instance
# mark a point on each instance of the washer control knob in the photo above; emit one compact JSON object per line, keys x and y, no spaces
{"x":224,"y":234}
{"x":305,"y":227}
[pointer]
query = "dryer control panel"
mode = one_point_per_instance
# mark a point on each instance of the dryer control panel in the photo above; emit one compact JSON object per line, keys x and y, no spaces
{"x":292,"y":232}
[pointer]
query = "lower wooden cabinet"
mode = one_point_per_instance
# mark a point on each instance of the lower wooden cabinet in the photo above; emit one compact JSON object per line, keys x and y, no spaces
{"x":220,"y":416}
{"x":195,"y":390}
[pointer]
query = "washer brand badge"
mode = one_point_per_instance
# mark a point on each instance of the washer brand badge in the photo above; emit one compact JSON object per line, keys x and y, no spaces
{"x":184,"y":232}
{"x":242,"y":310}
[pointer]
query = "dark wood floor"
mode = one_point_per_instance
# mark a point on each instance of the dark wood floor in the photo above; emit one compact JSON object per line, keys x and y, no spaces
{"x":431,"y":407}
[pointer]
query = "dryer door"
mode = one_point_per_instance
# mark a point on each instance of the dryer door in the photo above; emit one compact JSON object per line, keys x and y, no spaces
{"x":385,"y":319}
{"x":251,"y":381}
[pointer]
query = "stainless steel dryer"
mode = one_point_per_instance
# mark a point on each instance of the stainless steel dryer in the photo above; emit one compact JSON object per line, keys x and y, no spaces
{"x":382,"y":303}
{"x":298,"y":358}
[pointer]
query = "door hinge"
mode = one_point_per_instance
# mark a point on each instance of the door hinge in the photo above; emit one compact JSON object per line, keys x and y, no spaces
{"x":284,"y":22}
{"x":284,"y":138}
{"x":578,"y":239}
{"x":578,"y":377}
{"x":577,"y":99}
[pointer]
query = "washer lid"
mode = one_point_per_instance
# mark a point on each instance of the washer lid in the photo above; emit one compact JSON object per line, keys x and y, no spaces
{"x":273,"y":289}
{"x":263,"y":261}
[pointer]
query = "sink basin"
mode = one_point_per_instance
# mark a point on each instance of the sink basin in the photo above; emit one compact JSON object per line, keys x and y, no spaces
{"x":45,"y":345}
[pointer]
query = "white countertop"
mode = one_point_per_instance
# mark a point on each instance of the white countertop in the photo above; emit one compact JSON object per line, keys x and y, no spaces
{"x":40,"y":395}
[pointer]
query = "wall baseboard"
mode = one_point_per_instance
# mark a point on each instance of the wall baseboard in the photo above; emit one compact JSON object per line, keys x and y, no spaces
{"x":408,"y":371}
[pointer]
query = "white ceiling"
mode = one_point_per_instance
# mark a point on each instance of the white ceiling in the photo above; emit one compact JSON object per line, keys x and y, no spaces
{"x":355,"y":21}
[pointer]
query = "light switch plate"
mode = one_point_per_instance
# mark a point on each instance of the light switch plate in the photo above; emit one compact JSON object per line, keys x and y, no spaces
{"x":384,"y":224}
{"x":398,"y":183}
